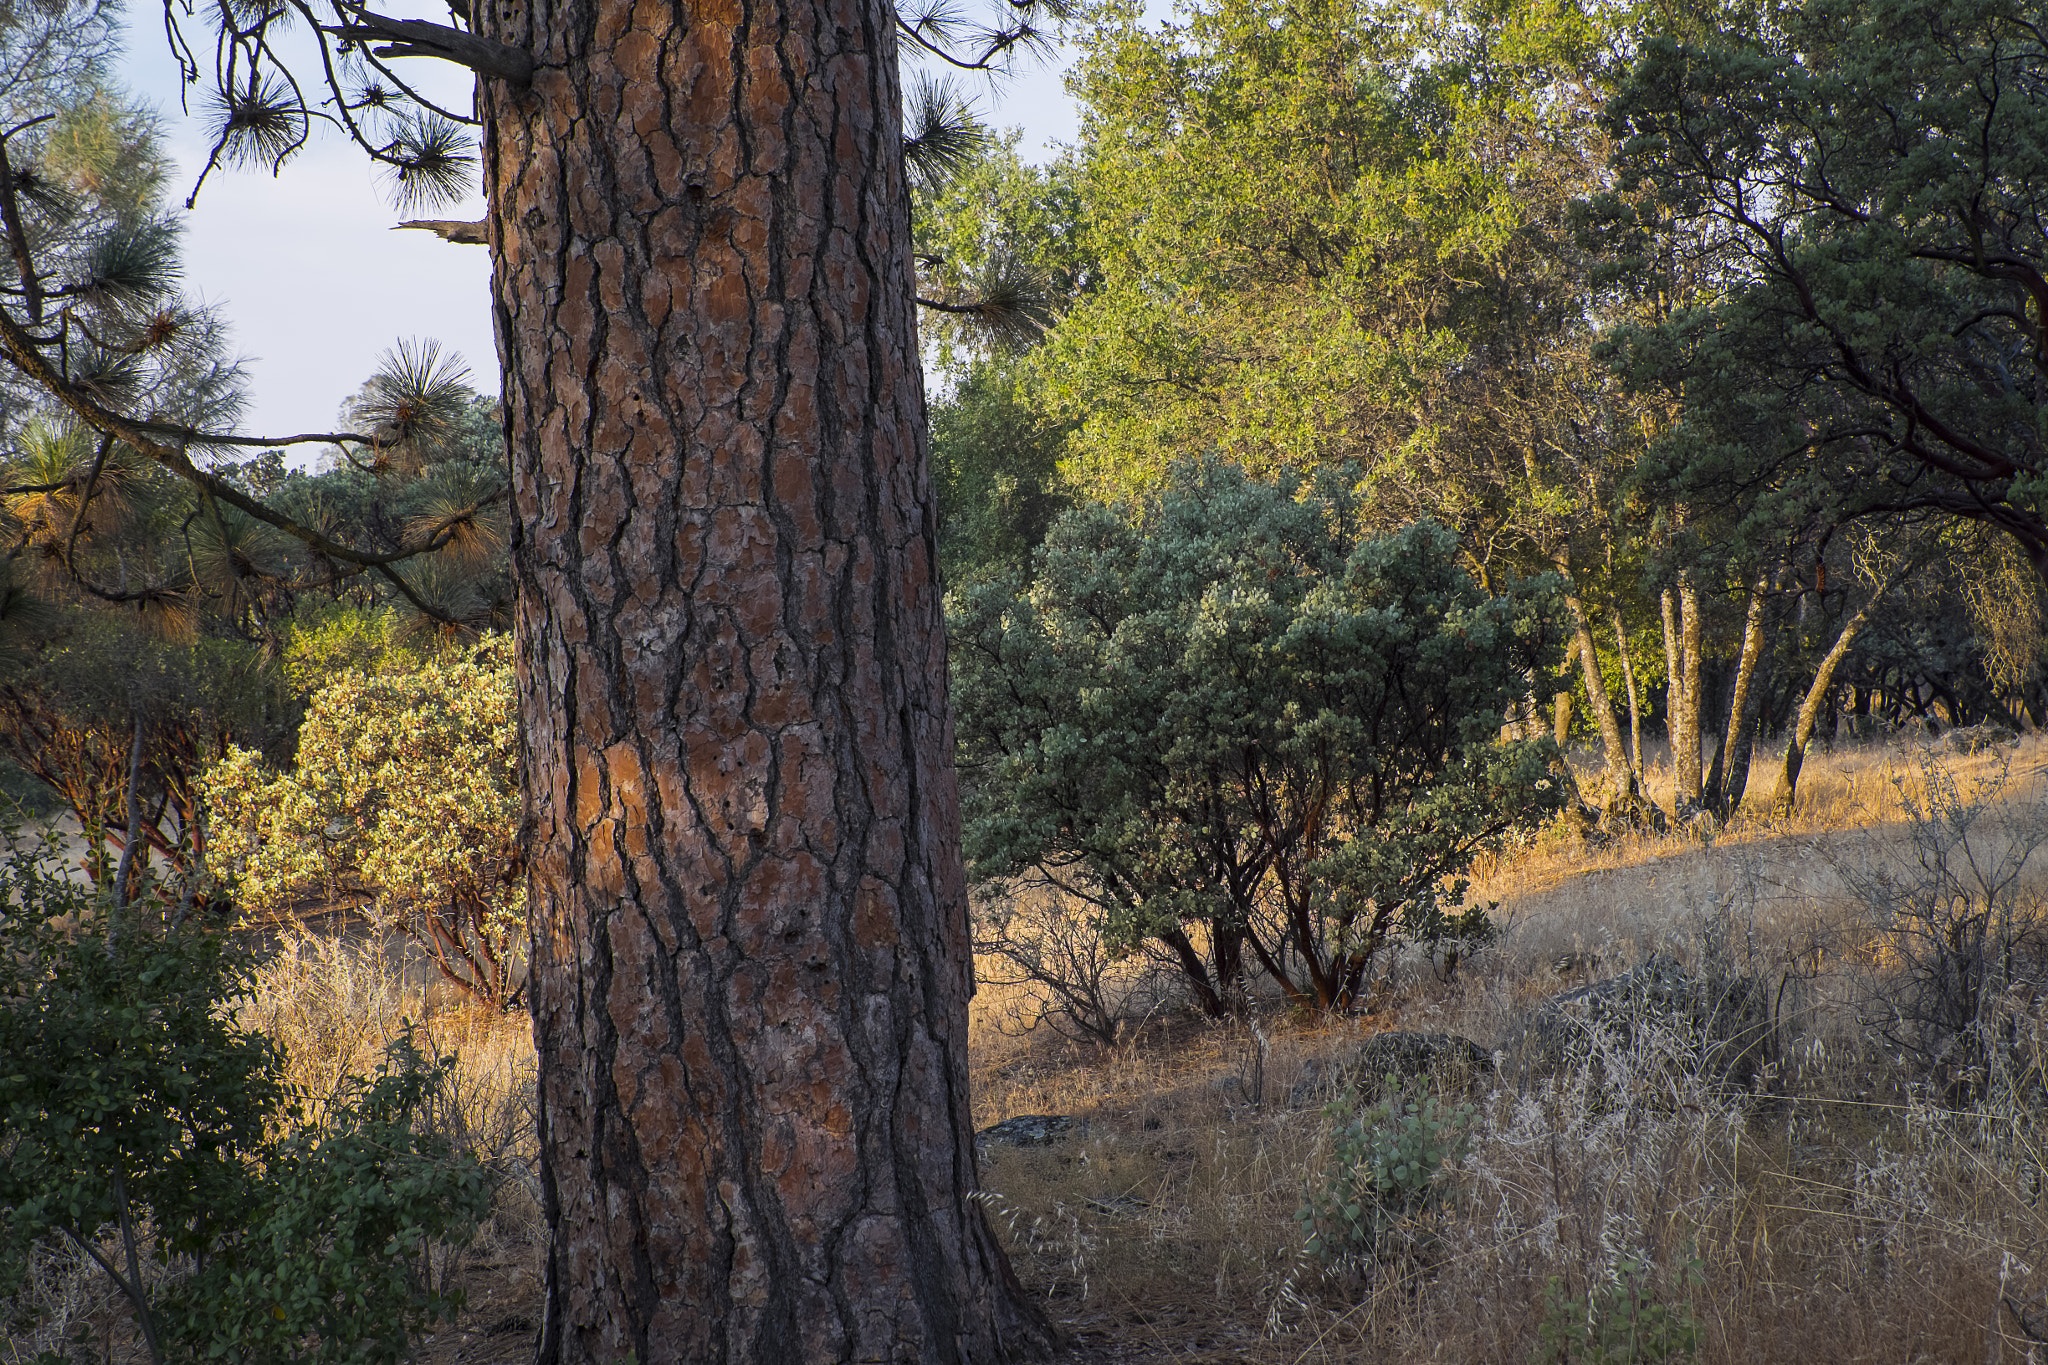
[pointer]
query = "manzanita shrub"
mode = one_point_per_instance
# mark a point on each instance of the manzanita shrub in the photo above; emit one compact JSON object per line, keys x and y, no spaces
{"x":404,"y":798}
{"x":146,"y":1130}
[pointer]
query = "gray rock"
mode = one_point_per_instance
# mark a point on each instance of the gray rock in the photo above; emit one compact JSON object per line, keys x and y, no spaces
{"x":1450,"y":1064}
{"x":1028,"y":1130}
{"x":1974,"y":739}
{"x":1722,"y":1025}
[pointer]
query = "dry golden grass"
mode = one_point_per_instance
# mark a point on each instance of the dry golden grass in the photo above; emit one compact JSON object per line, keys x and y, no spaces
{"x":1843,"y":1220}
{"x":336,"y":1002}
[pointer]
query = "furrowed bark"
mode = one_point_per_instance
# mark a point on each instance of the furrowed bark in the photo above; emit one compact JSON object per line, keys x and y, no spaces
{"x":750,"y":948}
{"x":1689,"y":717}
{"x":1674,"y":684}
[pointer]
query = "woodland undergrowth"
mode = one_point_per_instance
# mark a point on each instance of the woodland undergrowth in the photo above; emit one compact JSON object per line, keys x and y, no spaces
{"x":1847,"y":1208}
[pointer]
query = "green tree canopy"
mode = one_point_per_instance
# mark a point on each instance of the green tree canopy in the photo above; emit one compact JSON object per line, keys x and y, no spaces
{"x":995,"y":472}
{"x":1864,"y":184}
{"x":1336,"y":233}
{"x":1000,"y":252}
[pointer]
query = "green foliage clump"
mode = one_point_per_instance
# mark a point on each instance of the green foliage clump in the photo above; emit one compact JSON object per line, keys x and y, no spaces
{"x":1866,"y":178}
{"x":1391,"y":1167}
{"x":335,"y":1252}
{"x":1624,"y":1322}
{"x":344,"y":638}
{"x":1000,"y":247}
{"x":1328,"y":232}
{"x":1240,"y":717}
{"x":995,"y":469}
{"x":406,"y":790}
{"x":73,"y":697}
{"x":150,"y":1133}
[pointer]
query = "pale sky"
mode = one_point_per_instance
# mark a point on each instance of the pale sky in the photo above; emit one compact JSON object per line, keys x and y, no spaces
{"x":316,"y":284}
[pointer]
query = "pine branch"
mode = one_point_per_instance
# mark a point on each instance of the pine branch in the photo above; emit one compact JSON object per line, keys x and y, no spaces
{"x":17,"y":234}
{"x":462,"y":234}
{"x":418,"y":38}
{"x":146,"y":439}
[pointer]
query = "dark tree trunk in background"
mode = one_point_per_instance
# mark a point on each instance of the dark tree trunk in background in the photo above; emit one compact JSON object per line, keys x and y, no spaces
{"x":749,"y":924}
{"x":1801,"y":733}
{"x":1635,"y":700}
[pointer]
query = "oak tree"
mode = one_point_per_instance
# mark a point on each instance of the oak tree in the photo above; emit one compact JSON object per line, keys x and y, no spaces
{"x":1864,"y":185}
{"x":1328,"y":233}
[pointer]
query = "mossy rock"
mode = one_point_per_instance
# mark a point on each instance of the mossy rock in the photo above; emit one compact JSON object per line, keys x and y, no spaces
{"x":1719,"y":1026}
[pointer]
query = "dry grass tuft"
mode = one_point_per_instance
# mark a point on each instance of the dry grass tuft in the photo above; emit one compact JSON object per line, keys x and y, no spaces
{"x":336,"y":1002}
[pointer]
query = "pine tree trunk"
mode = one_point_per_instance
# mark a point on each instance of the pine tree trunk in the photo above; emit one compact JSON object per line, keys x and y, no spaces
{"x":750,"y":948}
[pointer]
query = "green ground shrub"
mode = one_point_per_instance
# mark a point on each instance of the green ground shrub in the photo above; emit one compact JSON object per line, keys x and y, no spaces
{"x":147,"y":1131}
{"x":1391,"y":1168}
{"x":1623,"y":1322}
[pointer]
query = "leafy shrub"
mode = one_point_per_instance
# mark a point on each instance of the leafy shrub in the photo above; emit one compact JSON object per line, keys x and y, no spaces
{"x":1624,"y":1322}
{"x":144,"y":1128}
{"x":1242,"y":721}
{"x":341,"y":639}
{"x":1390,"y":1169}
{"x":1961,"y":927}
{"x":335,"y":1249}
{"x":406,"y":790}
{"x":81,"y":683}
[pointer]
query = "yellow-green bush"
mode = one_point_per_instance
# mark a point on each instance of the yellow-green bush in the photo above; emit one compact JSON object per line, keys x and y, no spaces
{"x":406,"y":796}
{"x":344,"y":638}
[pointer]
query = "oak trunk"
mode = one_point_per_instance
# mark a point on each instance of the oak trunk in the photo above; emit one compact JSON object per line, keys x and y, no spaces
{"x":1681,"y":611}
{"x":1801,"y":732}
{"x":749,"y":938}
{"x":1620,"y":777}
{"x":1725,"y":785}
